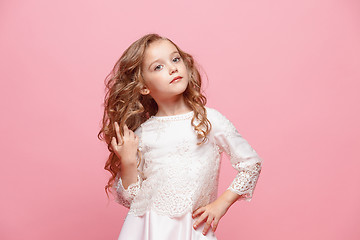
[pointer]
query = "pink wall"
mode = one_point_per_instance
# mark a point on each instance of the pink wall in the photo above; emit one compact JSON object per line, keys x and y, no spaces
{"x":286,"y":73}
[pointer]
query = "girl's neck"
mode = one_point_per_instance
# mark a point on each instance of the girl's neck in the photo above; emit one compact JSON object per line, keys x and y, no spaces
{"x":172,"y":108}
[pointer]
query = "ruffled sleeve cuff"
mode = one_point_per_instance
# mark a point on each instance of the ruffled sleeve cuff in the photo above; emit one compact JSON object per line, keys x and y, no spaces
{"x":245,"y":181}
{"x":126,"y":196}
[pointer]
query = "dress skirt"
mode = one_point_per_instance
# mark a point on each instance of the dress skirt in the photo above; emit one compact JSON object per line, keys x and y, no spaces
{"x":152,"y":226}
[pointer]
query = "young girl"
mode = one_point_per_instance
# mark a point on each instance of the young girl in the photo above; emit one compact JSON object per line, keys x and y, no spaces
{"x":165,"y":146}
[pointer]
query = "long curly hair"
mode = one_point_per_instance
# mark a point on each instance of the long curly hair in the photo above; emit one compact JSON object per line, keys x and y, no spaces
{"x":123,"y":102}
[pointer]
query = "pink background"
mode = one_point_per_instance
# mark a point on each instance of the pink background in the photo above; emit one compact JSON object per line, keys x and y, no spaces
{"x":286,"y":73}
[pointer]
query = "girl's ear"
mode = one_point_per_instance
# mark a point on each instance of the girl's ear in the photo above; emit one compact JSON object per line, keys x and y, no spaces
{"x":144,"y":91}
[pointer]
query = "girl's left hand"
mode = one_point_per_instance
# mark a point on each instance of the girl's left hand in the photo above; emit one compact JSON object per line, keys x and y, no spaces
{"x":211,"y":212}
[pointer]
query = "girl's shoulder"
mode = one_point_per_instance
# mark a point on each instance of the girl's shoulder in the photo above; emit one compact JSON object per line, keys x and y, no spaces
{"x":147,"y":123}
{"x":138,"y":131}
{"x":214,"y":115}
{"x":211,"y":111}
{"x":219,"y":121}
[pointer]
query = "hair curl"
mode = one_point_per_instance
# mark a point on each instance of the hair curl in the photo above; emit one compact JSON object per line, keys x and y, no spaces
{"x":124,"y":104}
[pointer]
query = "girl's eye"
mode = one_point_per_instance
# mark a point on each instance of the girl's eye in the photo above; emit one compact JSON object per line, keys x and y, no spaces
{"x":157,"y":67}
{"x":177,"y":58}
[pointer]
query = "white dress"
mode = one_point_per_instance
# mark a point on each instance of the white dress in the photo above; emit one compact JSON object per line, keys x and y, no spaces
{"x":176,"y":176}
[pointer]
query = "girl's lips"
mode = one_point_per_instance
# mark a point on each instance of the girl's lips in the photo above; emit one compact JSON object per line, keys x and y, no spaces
{"x":175,"y":79}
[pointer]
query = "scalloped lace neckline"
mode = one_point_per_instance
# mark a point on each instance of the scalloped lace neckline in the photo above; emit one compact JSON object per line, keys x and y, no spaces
{"x":174,"y":117}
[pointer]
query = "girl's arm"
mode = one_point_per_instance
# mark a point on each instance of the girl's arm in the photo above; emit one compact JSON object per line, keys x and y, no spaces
{"x":124,"y":194}
{"x":243,"y":158}
{"x":128,"y":174}
{"x":128,"y":181}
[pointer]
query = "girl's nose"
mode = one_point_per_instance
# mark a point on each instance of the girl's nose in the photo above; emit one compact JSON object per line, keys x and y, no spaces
{"x":173,"y":69}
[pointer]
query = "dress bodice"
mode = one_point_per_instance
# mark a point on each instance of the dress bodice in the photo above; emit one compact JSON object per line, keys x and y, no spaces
{"x":176,"y":175}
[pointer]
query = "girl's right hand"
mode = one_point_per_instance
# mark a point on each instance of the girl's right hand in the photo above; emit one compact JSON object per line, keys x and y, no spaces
{"x":125,"y":147}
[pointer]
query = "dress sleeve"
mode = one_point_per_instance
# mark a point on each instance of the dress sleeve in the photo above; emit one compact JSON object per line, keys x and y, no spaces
{"x":243,"y":157}
{"x":125,"y":196}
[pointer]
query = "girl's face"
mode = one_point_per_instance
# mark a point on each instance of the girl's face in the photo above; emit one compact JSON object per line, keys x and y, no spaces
{"x":162,"y":64}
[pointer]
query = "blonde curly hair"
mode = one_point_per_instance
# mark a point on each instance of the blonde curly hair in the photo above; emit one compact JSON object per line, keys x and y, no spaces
{"x":123,"y":102}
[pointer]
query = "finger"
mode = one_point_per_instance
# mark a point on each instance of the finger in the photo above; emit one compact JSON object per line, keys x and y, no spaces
{"x":113,"y":143}
{"x":200,"y":220}
{"x":197,"y":212}
{"x":117,"y":131}
{"x":215,"y":224}
{"x":131,"y":134}
{"x":126,"y":131}
{"x":207,"y":225}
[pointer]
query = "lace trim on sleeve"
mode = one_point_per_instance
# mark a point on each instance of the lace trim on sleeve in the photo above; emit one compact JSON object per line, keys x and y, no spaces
{"x":125,"y":196}
{"x":245,"y":181}
{"x":243,"y":158}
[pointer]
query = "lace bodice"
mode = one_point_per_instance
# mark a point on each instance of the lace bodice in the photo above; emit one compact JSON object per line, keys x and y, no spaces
{"x":176,"y":175}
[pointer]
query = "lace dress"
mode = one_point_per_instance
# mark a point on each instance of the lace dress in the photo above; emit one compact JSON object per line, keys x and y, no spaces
{"x":176,"y":176}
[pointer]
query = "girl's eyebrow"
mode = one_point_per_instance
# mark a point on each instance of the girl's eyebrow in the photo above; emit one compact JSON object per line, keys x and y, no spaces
{"x":159,"y":59}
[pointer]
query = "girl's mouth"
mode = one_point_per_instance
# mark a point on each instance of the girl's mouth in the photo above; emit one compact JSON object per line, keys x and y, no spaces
{"x":176,"y":79}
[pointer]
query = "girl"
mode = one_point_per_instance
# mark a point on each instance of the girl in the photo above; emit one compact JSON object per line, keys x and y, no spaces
{"x":165,"y":146}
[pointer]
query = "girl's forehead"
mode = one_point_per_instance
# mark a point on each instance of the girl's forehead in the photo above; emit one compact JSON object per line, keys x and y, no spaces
{"x":159,"y":49}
